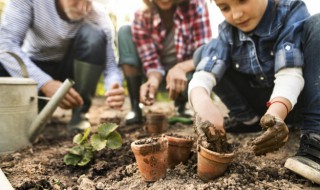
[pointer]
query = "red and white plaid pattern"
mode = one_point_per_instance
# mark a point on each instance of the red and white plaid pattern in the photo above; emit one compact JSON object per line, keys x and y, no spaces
{"x":192,"y":29}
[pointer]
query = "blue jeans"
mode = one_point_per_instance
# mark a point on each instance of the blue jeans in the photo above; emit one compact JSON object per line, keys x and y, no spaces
{"x":245,"y":101}
{"x":89,"y":45}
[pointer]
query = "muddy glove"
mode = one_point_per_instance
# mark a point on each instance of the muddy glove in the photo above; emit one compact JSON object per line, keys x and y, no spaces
{"x":208,"y":136}
{"x":274,"y":137}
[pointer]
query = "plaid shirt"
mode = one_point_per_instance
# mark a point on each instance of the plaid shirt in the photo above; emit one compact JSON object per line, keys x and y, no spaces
{"x":192,"y":29}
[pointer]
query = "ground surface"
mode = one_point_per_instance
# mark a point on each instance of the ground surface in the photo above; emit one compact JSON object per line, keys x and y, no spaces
{"x":41,"y":166}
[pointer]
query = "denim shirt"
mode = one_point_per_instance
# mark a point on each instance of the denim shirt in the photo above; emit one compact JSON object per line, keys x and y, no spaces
{"x":274,"y":44}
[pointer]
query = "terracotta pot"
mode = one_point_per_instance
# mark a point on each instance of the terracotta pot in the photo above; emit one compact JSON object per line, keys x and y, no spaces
{"x":212,"y":164}
{"x":151,"y":158}
{"x":179,"y":149}
{"x":156,"y":123}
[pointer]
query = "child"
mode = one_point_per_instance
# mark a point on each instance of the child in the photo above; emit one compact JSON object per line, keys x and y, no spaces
{"x":267,"y":51}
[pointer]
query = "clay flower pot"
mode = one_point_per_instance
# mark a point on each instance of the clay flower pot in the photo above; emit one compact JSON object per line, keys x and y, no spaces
{"x":151,"y":156}
{"x":156,"y":123}
{"x":179,"y":149}
{"x":212,"y":164}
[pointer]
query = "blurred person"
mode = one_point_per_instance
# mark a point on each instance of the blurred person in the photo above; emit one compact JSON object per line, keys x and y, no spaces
{"x":59,"y":39}
{"x":159,"y":46}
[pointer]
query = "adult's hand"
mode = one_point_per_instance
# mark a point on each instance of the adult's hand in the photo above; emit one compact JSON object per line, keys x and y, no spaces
{"x":70,"y":100}
{"x":149,"y":89}
{"x":275,"y":135}
{"x":115,"y":96}
{"x":176,"y":81}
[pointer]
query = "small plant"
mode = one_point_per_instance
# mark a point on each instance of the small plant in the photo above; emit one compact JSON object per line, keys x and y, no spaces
{"x":85,"y":148}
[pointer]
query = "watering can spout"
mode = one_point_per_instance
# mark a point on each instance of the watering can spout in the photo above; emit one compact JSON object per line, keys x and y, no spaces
{"x":46,"y":113}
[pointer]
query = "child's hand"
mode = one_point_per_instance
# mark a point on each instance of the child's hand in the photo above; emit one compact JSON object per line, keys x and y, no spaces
{"x":207,"y":134}
{"x":275,"y":136}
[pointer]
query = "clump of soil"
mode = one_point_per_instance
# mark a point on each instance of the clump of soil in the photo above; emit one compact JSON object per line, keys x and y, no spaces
{"x":216,"y":140}
{"x":218,"y":143}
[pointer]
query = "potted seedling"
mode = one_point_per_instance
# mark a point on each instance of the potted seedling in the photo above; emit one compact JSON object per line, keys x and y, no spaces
{"x":179,"y":148}
{"x":151,"y":157}
{"x":214,"y":155}
{"x":87,"y":145}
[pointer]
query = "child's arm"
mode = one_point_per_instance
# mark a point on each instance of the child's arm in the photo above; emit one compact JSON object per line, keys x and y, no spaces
{"x":199,"y":96}
{"x":288,"y":85}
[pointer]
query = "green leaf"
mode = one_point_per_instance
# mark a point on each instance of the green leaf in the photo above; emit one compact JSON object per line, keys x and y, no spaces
{"x":105,"y":129}
{"x":97,"y":142}
{"x":71,"y":159}
{"x":86,"y":133}
{"x":114,"y":140}
{"x":77,"y":150}
{"x":86,"y":158}
{"x":79,"y":138}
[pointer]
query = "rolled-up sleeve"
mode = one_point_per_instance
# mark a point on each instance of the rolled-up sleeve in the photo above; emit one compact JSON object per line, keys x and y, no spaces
{"x":288,"y":47}
{"x":215,"y":57}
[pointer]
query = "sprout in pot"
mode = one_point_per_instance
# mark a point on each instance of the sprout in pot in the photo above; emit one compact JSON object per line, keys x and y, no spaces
{"x":86,"y":146}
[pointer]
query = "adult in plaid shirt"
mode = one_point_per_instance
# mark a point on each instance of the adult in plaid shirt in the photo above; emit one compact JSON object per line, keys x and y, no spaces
{"x":161,"y":42}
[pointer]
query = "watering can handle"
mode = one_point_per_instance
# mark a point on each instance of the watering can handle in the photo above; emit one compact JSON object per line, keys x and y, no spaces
{"x":24,"y":70}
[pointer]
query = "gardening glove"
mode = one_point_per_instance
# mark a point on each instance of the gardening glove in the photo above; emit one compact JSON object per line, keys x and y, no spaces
{"x":208,"y":136}
{"x":274,"y":137}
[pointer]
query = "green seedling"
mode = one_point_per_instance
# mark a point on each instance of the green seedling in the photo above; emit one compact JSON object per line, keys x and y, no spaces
{"x":88,"y":144}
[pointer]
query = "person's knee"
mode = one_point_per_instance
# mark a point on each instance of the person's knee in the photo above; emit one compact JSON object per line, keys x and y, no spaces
{"x":91,"y":36}
{"x":311,"y":25}
{"x":124,"y":32}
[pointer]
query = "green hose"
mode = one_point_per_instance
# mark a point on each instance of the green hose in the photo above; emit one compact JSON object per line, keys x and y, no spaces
{"x":179,"y":119}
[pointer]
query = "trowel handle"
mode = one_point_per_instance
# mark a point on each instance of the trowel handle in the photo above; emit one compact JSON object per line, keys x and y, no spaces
{"x":47,"y":111}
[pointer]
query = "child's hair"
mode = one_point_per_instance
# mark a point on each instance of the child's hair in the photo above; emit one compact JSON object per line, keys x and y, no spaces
{"x":149,"y":4}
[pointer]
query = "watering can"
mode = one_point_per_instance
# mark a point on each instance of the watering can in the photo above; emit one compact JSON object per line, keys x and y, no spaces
{"x":20,"y":122}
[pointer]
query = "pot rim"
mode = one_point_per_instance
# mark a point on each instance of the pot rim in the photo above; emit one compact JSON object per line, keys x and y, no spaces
{"x":160,"y":145}
{"x":179,"y":141}
{"x":227,"y":157}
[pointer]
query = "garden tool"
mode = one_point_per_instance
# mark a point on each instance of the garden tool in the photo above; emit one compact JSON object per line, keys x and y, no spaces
{"x":19,"y":120}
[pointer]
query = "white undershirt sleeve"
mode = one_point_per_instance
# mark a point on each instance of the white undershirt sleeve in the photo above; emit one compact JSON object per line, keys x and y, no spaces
{"x":202,"y":79}
{"x":289,"y":83}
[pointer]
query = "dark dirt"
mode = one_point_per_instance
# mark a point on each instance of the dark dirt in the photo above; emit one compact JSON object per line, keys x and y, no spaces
{"x":41,"y":166}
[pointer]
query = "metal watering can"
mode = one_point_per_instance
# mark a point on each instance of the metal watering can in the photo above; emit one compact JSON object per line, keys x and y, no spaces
{"x":20,"y":122}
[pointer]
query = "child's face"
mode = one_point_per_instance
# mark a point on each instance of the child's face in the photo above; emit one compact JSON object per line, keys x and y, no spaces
{"x":243,"y":14}
{"x":164,"y":4}
{"x":76,"y":9}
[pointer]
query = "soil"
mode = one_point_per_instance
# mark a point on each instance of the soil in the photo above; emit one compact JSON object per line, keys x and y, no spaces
{"x":41,"y":166}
